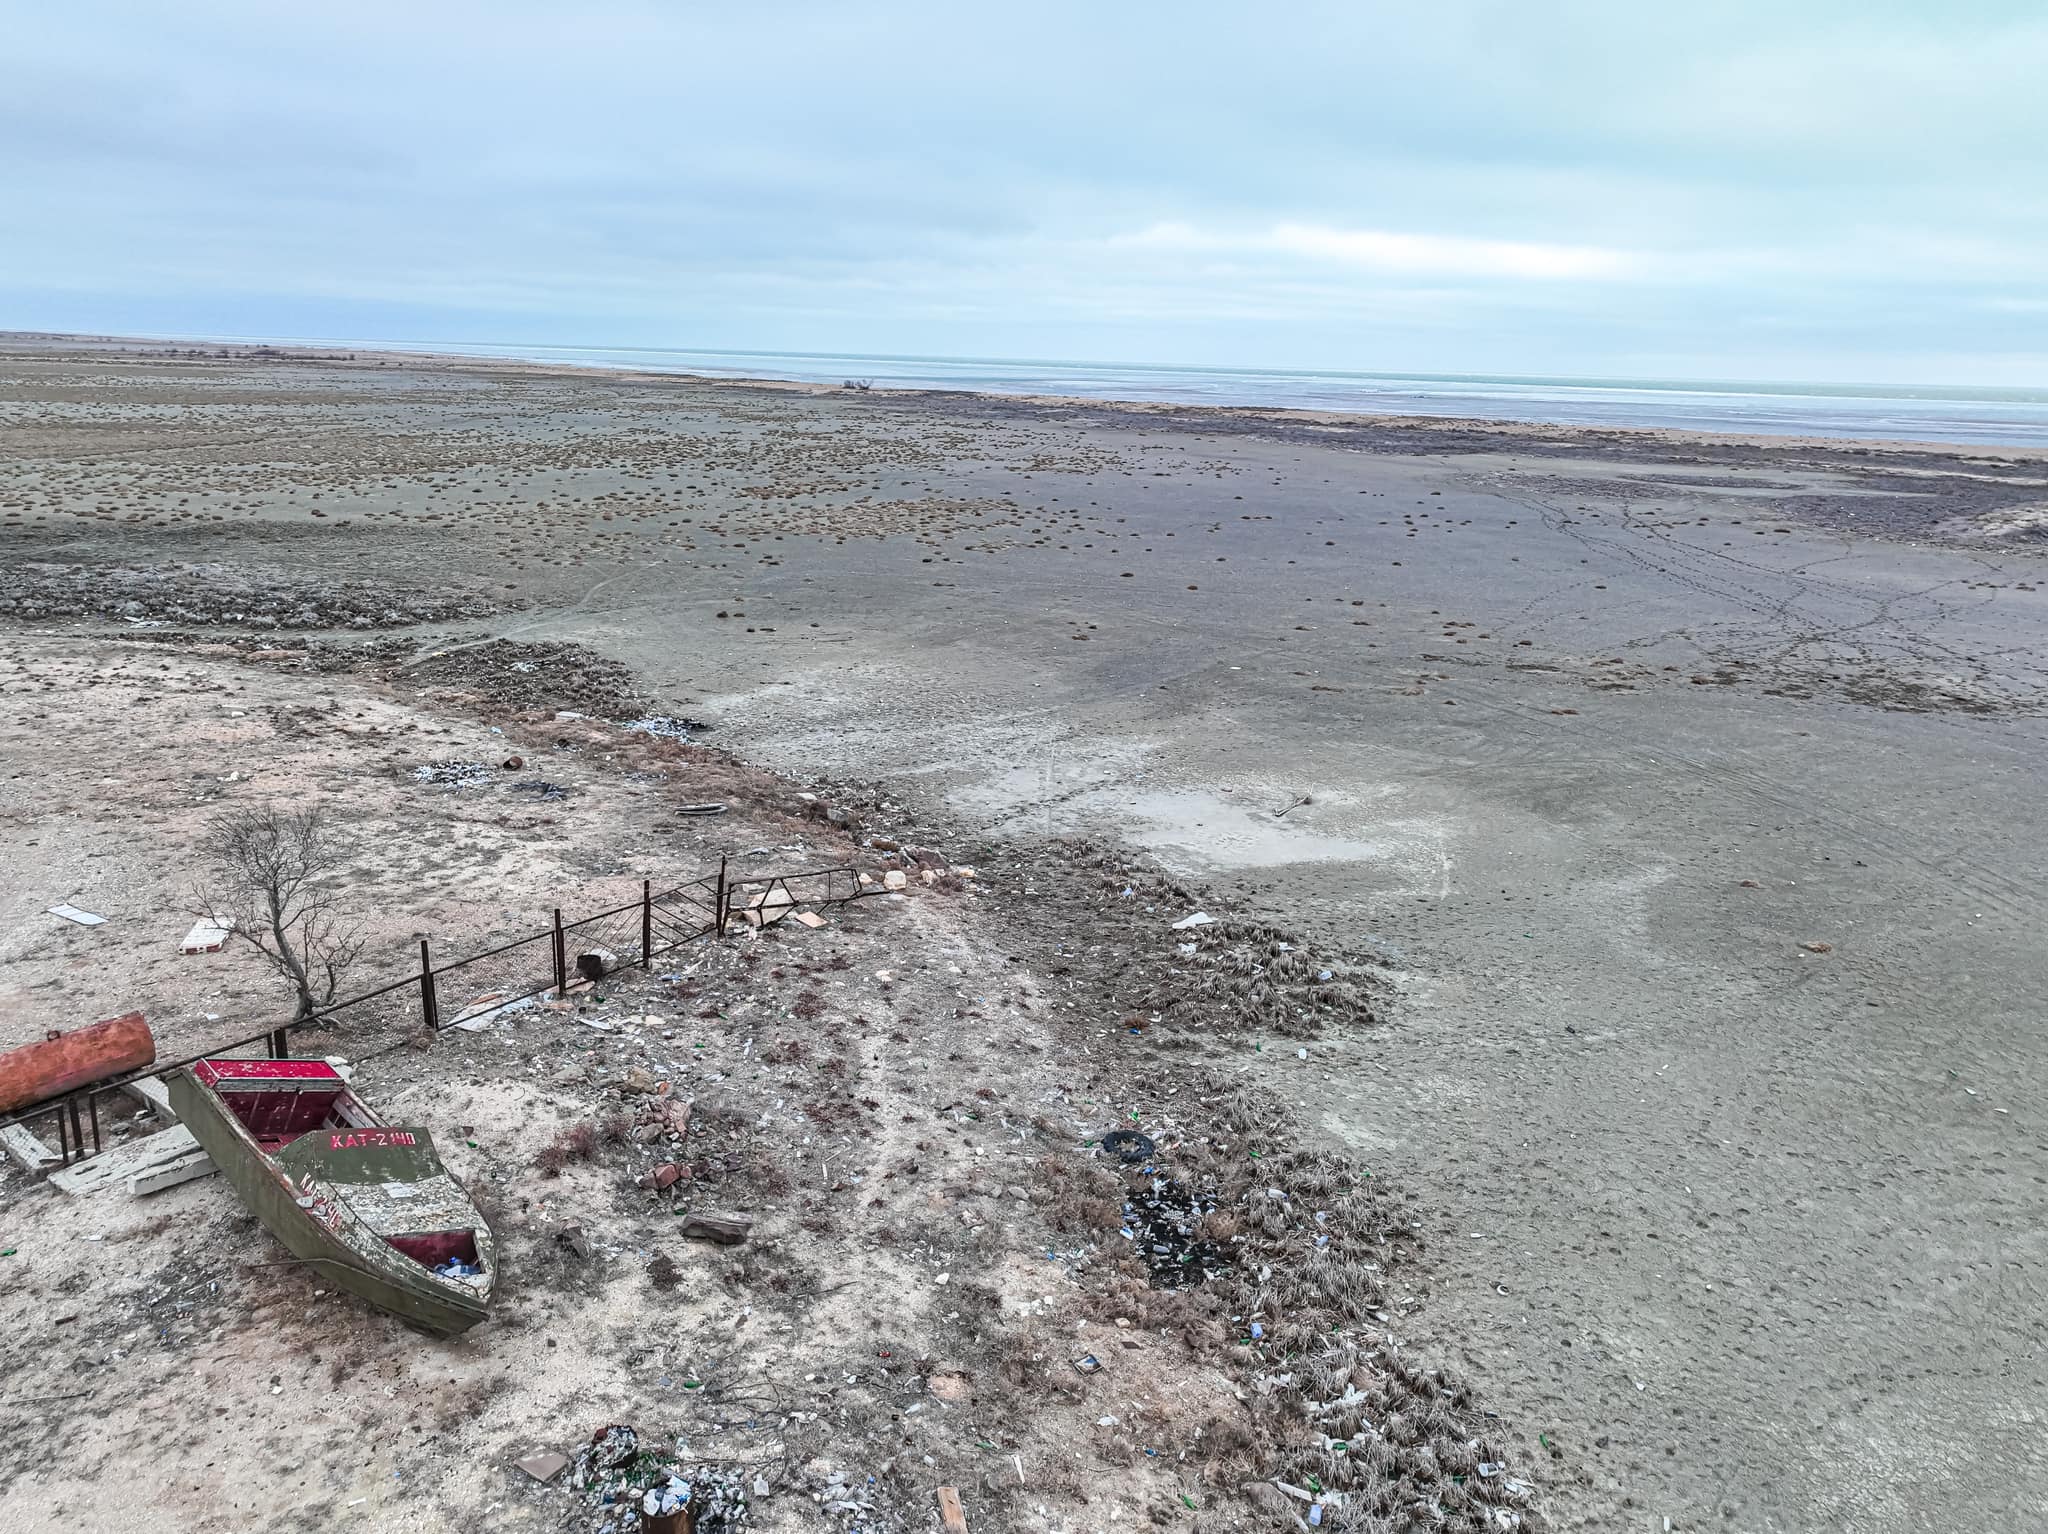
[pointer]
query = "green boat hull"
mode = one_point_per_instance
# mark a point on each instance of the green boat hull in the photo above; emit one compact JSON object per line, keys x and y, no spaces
{"x":310,"y":1227}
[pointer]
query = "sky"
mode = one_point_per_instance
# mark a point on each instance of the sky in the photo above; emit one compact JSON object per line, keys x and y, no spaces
{"x":1844,"y":190}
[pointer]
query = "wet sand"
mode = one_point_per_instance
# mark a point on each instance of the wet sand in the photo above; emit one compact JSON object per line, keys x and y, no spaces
{"x":1685,"y":789}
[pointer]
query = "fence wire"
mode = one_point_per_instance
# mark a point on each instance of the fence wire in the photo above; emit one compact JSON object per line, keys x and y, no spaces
{"x":469,"y":989}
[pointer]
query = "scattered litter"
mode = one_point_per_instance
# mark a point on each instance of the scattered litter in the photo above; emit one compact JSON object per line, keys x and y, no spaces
{"x":208,"y":936}
{"x":1160,"y":1222}
{"x":1088,"y":1363}
{"x":454,"y":774}
{"x":479,"y":1014}
{"x":540,"y":788}
{"x":701,"y":809}
{"x":544,"y":1467}
{"x":1199,"y":919}
{"x":665,"y":727}
{"x":630,"y":1484}
{"x":73,"y":913}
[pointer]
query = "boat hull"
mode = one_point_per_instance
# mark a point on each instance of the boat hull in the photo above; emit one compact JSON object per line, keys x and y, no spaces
{"x":303,"y":1228}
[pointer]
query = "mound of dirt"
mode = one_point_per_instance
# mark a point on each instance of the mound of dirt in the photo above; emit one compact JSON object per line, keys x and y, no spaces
{"x":517,"y":677}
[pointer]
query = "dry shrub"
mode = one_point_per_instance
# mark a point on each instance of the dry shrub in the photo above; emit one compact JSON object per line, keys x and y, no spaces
{"x":1080,"y":1195}
{"x":576,"y":1143}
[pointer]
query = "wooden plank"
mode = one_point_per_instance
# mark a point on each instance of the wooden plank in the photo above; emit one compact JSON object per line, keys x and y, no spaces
{"x":27,"y":1150}
{"x":117,"y":1165}
{"x":726,"y":1229}
{"x":153,"y":1095}
{"x":951,"y":1510}
{"x":185,"y":1169}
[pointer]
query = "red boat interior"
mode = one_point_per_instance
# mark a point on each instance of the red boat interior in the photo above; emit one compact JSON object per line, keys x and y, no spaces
{"x":279,"y":1100}
{"x":431,"y":1248}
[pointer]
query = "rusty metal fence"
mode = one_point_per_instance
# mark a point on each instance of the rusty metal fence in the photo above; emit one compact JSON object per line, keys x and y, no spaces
{"x":476,"y":987}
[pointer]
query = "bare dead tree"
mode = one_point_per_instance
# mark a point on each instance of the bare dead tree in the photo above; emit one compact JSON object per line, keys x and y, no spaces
{"x":272,"y":871}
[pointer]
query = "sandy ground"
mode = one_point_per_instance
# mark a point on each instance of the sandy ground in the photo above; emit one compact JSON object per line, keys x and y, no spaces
{"x":1676,"y":793}
{"x":907,"y":1115}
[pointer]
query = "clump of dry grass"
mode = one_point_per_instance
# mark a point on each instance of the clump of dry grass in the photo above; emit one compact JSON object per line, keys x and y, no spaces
{"x":1311,"y":1244}
{"x":1081,"y":1197}
{"x":576,"y":1143}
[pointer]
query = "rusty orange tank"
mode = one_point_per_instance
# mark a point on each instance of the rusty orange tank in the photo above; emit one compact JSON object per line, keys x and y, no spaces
{"x":62,"y":1061}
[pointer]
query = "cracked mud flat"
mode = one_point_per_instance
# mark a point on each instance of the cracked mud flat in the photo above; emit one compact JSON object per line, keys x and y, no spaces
{"x":1597,"y":730}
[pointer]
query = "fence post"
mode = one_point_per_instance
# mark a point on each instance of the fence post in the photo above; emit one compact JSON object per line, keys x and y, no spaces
{"x":280,"y":1043}
{"x":428,"y":1008}
{"x":561,"y":958}
{"x":718,"y":921}
{"x":646,"y":922}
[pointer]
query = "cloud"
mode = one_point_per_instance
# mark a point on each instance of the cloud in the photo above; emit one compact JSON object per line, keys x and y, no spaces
{"x":1381,"y":250}
{"x":1589,"y":186}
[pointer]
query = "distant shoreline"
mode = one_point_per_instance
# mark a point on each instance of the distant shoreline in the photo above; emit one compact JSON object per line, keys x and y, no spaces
{"x":1520,"y":435}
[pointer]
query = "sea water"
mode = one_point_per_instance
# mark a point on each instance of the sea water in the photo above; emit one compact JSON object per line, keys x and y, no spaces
{"x":2012,"y":417}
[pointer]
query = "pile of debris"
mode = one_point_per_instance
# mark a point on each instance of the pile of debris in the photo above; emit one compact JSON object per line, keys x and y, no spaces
{"x":1162,"y":1220}
{"x":508,"y":675}
{"x":223,"y":594}
{"x":665,"y":726}
{"x":629,"y":1486}
{"x":452,"y":774}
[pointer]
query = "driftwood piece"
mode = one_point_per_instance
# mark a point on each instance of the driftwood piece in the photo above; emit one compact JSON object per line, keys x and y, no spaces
{"x":951,"y":1510}
{"x":725,"y":1229}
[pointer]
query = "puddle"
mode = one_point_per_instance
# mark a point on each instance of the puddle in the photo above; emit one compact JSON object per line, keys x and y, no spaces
{"x":1225,"y":835}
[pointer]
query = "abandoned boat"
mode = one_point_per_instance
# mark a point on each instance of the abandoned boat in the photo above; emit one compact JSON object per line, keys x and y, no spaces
{"x":365,"y":1204}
